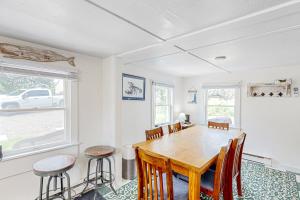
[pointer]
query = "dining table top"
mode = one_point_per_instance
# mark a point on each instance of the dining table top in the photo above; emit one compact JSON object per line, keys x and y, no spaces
{"x":196,"y":147}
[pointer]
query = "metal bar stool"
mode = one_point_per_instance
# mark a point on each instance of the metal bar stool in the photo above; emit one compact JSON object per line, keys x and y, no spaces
{"x":99,"y":153}
{"x":54,"y":167}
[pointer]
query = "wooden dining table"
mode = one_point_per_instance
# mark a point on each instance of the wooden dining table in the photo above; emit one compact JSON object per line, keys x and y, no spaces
{"x":191,"y":152}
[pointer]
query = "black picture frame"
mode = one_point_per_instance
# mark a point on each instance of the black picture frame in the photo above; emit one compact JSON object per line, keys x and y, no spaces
{"x":135,"y":92}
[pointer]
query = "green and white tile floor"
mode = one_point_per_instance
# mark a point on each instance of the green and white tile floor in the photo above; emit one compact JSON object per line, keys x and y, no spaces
{"x":259,"y":183}
{"x":298,"y":182}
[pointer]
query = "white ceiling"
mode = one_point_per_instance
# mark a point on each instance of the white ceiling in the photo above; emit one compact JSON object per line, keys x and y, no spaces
{"x":169,"y":18}
{"x":69,"y":24}
{"x":275,"y":50}
{"x":177,"y":64}
{"x":177,"y":37}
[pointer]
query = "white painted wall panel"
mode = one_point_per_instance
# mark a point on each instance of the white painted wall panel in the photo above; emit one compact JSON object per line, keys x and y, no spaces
{"x":272,"y":124}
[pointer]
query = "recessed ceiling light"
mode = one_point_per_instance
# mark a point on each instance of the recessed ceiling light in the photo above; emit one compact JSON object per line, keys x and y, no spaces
{"x":220,"y":58}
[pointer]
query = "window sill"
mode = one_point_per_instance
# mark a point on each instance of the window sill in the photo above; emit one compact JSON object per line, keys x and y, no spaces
{"x":163,"y":124}
{"x":22,"y":155}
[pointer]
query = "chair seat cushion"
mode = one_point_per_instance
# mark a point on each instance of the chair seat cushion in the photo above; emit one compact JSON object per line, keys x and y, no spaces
{"x":180,"y":188}
{"x":207,"y":179}
{"x":213,"y":167}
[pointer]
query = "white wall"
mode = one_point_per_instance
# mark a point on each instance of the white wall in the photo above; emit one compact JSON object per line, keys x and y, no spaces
{"x":272,"y":124}
{"x":125,"y":122}
{"x":136,"y":115}
{"x":17,"y":175}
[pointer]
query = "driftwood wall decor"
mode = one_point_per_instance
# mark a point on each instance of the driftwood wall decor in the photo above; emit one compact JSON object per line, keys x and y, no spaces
{"x":32,"y":54}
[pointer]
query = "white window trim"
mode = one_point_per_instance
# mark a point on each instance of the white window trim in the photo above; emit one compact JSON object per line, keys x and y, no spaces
{"x":71,"y":112}
{"x":237,"y":106}
{"x":171,"y":103}
{"x":39,"y":151}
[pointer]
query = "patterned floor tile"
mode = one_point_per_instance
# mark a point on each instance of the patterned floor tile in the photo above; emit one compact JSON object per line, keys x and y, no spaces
{"x":126,"y":192}
{"x":259,"y":183}
{"x":298,"y":182}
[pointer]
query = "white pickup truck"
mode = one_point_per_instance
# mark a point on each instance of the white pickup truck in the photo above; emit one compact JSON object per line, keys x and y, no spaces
{"x":31,"y":98}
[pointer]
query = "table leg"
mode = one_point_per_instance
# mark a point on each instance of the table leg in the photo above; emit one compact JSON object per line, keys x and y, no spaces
{"x":194,"y":185}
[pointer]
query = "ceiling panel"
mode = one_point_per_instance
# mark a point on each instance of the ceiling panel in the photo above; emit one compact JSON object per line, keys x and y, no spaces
{"x":280,"y":49}
{"x":263,"y":24}
{"x":181,"y":64}
{"x":169,"y":18}
{"x":149,"y":53}
{"x":70,"y":24}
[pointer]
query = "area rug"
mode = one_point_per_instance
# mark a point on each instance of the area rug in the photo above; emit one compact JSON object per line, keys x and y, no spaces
{"x":259,"y":183}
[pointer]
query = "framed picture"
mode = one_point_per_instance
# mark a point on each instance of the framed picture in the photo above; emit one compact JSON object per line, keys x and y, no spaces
{"x":192,"y":96}
{"x":133,"y":87}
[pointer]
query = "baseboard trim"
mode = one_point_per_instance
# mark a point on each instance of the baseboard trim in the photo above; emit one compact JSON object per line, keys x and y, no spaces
{"x":270,"y":163}
{"x":264,"y":160}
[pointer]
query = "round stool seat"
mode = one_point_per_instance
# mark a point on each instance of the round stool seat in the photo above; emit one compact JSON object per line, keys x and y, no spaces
{"x":54,"y":165}
{"x":99,"y":151}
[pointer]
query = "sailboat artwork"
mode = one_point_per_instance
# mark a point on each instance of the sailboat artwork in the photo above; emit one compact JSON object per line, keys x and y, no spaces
{"x":32,"y":54}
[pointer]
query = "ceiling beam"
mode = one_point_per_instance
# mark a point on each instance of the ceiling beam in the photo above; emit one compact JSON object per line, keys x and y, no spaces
{"x":152,"y":58}
{"x":247,"y":37}
{"x":239,"y":19}
{"x":125,"y":20}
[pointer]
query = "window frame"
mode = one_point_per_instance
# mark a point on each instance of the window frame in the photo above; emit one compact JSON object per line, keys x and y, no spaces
{"x":237,"y":102}
{"x":70,"y":92}
{"x":170,"y":103}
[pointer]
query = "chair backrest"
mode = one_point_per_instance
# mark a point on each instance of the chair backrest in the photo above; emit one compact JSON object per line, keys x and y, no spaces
{"x":154,"y":133}
{"x":221,"y":169}
{"x":218,"y":125}
{"x":235,"y":156}
{"x":175,"y":127}
{"x":151,"y":168}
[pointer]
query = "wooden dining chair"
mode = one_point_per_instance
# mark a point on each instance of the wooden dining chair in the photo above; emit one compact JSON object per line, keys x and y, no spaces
{"x":234,"y":165}
{"x":155,"y":180}
{"x":218,"y":125}
{"x":154,"y":133}
{"x":149,"y":167}
{"x":213,"y":181}
{"x":174,"y":127}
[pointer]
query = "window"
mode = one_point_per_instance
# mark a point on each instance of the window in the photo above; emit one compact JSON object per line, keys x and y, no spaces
{"x":223,"y":105}
{"x":162,"y":104}
{"x":33,"y":111}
